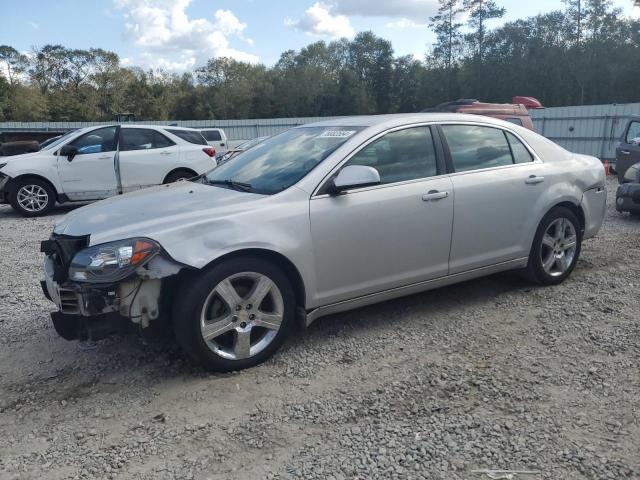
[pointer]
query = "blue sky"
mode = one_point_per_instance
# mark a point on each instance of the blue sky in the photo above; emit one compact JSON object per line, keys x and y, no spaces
{"x":182,"y":34}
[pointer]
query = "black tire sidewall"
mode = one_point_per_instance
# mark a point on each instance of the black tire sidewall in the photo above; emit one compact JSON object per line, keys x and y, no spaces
{"x":189,"y":301}
{"x":535,"y":261}
{"x":13,"y":196}
{"x":177,"y":175}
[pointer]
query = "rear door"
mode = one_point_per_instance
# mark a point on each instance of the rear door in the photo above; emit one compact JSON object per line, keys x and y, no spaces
{"x":146,"y":156}
{"x":91,"y":174}
{"x":497,"y":183}
{"x":628,"y":152}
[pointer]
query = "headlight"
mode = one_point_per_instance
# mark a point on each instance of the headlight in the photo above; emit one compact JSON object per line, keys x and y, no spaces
{"x":112,"y":262}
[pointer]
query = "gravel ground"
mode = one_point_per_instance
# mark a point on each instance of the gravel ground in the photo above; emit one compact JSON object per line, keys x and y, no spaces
{"x":490,"y":374}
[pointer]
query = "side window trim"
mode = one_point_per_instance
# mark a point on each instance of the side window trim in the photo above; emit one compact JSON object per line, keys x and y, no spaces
{"x":116,"y":139}
{"x":437,"y":145}
{"x":628,"y":131}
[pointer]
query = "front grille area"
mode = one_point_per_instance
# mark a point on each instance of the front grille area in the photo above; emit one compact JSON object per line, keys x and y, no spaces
{"x":69,"y":301}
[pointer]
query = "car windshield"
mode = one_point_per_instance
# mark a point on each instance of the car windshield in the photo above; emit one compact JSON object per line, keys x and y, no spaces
{"x":250,"y":143}
{"x":281,"y":161}
{"x":62,"y":139}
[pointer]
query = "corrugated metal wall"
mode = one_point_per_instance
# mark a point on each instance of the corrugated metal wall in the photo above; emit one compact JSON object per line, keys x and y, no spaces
{"x":593,"y":129}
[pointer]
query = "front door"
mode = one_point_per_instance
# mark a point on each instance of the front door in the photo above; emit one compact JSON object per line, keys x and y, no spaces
{"x":372,"y":239}
{"x":497,"y":183}
{"x":628,"y":152}
{"x":91,"y":174}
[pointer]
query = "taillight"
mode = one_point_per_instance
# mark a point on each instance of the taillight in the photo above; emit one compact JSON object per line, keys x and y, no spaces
{"x":210,"y":151}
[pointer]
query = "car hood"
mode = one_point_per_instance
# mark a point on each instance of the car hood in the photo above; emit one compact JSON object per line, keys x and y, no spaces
{"x":16,"y":158}
{"x":156,"y":212}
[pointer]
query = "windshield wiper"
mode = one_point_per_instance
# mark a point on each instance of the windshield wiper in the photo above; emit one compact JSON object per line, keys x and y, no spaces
{"x":240,"y":186}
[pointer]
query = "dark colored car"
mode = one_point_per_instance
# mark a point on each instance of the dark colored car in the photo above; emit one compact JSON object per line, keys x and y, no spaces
{"x":516,"y":112}
{"x":19,"y":147}
{"x":628,"y":150}
{"x":628,"y":194}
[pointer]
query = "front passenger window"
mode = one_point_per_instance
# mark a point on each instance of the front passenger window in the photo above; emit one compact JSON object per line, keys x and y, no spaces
{"x":473,"y":147}
{"x":96,"y":141}
{"x":399,"y":156}
{"x":633,"y":134}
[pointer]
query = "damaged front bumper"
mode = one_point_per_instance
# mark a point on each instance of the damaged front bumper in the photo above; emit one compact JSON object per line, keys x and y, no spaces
{"x":628,"y":198}
{"x":89,"y":311}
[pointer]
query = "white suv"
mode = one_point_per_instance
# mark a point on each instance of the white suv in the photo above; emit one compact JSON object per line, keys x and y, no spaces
{"x":98,"y":162}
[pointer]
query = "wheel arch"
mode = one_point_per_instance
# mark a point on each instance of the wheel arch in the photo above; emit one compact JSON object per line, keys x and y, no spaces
{"x":576,"y":209}
{"x":278,"y":259}
{"x":14,"y":180}
{"x":179,"y":169}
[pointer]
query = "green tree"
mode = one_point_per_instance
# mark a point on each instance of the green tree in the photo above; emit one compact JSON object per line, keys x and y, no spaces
{"x":449,"y":38}
{"x":480,"y":12}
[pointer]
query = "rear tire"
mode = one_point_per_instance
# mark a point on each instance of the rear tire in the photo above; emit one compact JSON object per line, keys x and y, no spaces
{"x":32,"y":197}
{"x":234,"y":315}
{"x":179,"y":175}
{"x":556,"y":248}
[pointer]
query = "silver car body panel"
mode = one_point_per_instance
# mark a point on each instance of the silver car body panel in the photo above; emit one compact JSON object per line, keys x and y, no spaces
{"x":367,"y":245}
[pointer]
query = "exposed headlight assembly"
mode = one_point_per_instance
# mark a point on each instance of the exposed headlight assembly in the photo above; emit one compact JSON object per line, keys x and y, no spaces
{"x":632,"y":175}
{"x":112,"y":262}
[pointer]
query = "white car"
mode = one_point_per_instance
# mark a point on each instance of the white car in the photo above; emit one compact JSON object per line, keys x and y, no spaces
{"x":98,"y":162}
{"x":216,"y":138}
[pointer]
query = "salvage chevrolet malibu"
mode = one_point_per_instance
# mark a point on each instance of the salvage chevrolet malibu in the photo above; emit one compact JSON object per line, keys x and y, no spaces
{"x":320,"y":219}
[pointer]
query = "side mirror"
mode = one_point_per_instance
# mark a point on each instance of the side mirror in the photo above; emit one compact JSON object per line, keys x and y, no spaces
{"x":354,"y":176}
{"x":69,"y":152}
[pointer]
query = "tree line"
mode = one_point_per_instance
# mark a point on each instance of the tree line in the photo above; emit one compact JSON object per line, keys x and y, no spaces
{"x":585,"y":53}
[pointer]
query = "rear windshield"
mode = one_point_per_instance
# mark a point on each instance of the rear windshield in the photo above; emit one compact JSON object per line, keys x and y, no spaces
{"x":190,"y":136}
{"x":211,"y":135}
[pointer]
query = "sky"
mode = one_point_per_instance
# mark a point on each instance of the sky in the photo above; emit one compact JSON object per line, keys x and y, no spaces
{"x":179,"y":35}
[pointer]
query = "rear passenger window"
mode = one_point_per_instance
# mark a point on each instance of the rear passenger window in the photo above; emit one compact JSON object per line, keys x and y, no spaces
{"x":190,"y":136}
{"x":211,"y":135}
{"x":399,"y":156}
{"x":519,"y":151}
{"x":473,"y":147}
{"x":142,"y":139}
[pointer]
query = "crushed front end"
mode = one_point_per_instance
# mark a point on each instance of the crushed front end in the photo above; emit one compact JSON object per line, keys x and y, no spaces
{"x":104,"y":289}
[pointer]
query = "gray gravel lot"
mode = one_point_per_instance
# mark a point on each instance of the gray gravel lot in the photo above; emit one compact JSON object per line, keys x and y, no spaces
{"x":491,"y":374}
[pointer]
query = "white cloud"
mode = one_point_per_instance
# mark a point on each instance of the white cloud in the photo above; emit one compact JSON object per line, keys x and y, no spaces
{"x":418,"y":10}
{"x":319,"y":20}
{"x":34,"y":25}
{"x":406,"y":23}
{"x":169,"y":39}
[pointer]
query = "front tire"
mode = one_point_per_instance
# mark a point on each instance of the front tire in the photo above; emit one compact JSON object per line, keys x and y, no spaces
{"x":234,"y":315}
{"x":556,"y":247}
{"x":32,"y":197}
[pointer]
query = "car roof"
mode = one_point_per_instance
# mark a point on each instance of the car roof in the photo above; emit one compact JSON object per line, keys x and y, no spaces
{"x":398,"y":119}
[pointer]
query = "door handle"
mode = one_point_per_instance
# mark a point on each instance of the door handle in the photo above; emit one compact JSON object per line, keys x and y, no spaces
{"x":105,"y":157}
{"x":434,"y":195}
{"x":625,"y":152}
{"x":165,"y":153}
{"x":533,"y":180}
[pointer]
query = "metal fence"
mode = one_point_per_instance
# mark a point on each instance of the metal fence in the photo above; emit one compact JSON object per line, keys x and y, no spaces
{"x":592,"y":129}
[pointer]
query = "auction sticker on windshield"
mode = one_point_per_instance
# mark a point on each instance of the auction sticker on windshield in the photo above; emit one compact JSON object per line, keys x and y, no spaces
{"x":336,"y":133}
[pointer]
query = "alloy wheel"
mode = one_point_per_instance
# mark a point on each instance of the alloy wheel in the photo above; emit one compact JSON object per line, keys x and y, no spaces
{"x":559,"y":244}
{"x":32,"y":198}
{"x":242,"y":315}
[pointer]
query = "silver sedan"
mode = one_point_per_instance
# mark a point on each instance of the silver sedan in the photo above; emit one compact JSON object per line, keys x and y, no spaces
{"x":320,"y":219}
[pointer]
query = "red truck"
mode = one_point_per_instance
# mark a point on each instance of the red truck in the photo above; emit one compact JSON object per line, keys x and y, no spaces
{"x":516,"y":112}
